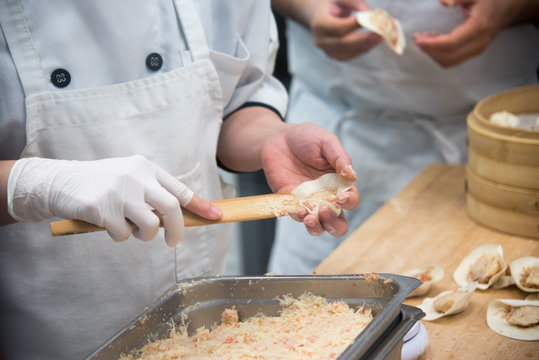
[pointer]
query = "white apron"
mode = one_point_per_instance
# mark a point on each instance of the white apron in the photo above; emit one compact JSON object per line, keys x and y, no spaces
{"x":394,"y":115}
{"x":60,"y":298}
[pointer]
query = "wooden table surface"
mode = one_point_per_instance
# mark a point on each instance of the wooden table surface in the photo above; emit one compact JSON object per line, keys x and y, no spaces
{"x":427,"y":223}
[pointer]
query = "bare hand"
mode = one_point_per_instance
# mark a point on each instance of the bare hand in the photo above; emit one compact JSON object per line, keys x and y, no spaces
{"x":334,"y":30}
{"x":483,"y":20}
{"x":305,"y":152}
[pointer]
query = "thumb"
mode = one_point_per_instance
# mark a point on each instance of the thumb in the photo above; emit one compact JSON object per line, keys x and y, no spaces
{"x":452,"y":3}
{"x":355,"y":5}
{"x":335,"y":26}
{"x":204,"y":208}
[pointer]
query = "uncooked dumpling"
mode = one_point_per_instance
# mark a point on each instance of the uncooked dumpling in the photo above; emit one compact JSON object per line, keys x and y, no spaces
{"x":525,"y":273}
{"x":321,"y":192}
{"x":516,"y":319}
{"x":389,"y":28}
{"x":485,"y":265}
{"x":428,"y":275}
{"x":447,"y":303}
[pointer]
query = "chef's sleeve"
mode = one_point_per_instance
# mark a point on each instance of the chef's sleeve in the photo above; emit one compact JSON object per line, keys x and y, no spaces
{"x":246,"y":77}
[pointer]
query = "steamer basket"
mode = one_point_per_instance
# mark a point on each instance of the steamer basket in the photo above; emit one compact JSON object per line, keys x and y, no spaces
{"x":502,"y":219}
{"x":520,"y":100}
{"x":503,"y":172}
{"x":503,"y":165}
{"x":520,"y":200}
{"x":503,"y":154}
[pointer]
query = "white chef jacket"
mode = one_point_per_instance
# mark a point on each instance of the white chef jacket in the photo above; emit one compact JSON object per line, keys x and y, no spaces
{"x":62,"y":297}
{"x":117,"y":42}
{"x":394,"y":114}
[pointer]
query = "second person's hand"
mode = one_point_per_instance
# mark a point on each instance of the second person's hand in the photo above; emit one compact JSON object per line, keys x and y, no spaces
{"x":332,"y":25}
{"x":335,"y":30}
{"x":483,"y":20}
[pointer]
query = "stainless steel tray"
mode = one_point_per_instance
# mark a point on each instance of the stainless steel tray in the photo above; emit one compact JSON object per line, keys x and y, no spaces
{"x":202,"y":300}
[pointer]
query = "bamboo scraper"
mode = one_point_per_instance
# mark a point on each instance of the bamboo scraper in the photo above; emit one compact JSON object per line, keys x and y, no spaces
{"x":235,"y":209}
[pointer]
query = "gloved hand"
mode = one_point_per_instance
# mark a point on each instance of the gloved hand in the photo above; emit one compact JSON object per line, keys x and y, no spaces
{"x":103,"y":192}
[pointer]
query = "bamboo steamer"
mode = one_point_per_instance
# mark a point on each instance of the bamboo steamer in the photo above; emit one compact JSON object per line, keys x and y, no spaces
{"x":519,"y":200}
{"x":503,"y":165}
{"x":502,"y":219}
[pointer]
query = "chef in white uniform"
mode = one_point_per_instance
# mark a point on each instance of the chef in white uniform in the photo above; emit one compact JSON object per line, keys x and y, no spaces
{"x":394,"y":114}
{"x":115,"y":108}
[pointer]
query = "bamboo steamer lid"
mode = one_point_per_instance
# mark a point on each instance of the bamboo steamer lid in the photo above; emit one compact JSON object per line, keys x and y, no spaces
{"x":503,"y":165}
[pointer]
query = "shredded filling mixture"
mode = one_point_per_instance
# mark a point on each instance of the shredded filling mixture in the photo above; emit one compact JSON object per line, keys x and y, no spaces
{"x":307,"y":328}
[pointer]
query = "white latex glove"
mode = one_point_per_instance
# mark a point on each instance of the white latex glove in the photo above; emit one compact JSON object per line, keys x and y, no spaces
{"x":103,"y":192}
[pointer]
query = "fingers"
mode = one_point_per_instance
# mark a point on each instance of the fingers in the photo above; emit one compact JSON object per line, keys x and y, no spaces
{"x":145,"y":221}
{"x":334,"y":31}
{"x":348,"y":199}
{"x":169,"y":207}
{"x":334,"y":225}
{"x":451,"y":3}
{"x":119,"y":230}
{"x":170,"y":210}
{"x":334,"y":26}
{"x":204,"y":208}
{"x":175,"y":187}
{"x":349,"y":46}
{"x":348,"y":6}
{"x":447,"y":3}
{"x":313,"y":226}
{"x":483,"y":19}
{"x":327,"y":221}
{"x":466,"y":41}
{"x":333,"y":152}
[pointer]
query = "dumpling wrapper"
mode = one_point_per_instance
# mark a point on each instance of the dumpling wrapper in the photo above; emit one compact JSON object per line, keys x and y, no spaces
{"x":383,"y":24}
{"x":503,"y":282}
{"x":436,"y":274}
{"x":465,"y":293}
{"x":518,"y":268}
{"x":496,"y":319}
{"x":320,"y":192}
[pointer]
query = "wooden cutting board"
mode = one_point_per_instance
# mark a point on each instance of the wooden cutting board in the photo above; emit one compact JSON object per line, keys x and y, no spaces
{"x":427,"y":223}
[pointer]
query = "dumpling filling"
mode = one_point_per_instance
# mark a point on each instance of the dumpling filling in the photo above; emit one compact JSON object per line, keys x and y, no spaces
{"x":308,"y":327}
{"x":530,"y":277}
{"x":524,"y":316}
{"x":423,"y":276}
{"x":445,"y":302}
{"x":485,"y":267}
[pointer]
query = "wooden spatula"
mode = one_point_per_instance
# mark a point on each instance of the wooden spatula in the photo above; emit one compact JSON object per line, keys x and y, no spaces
{"x":235,"y":209}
